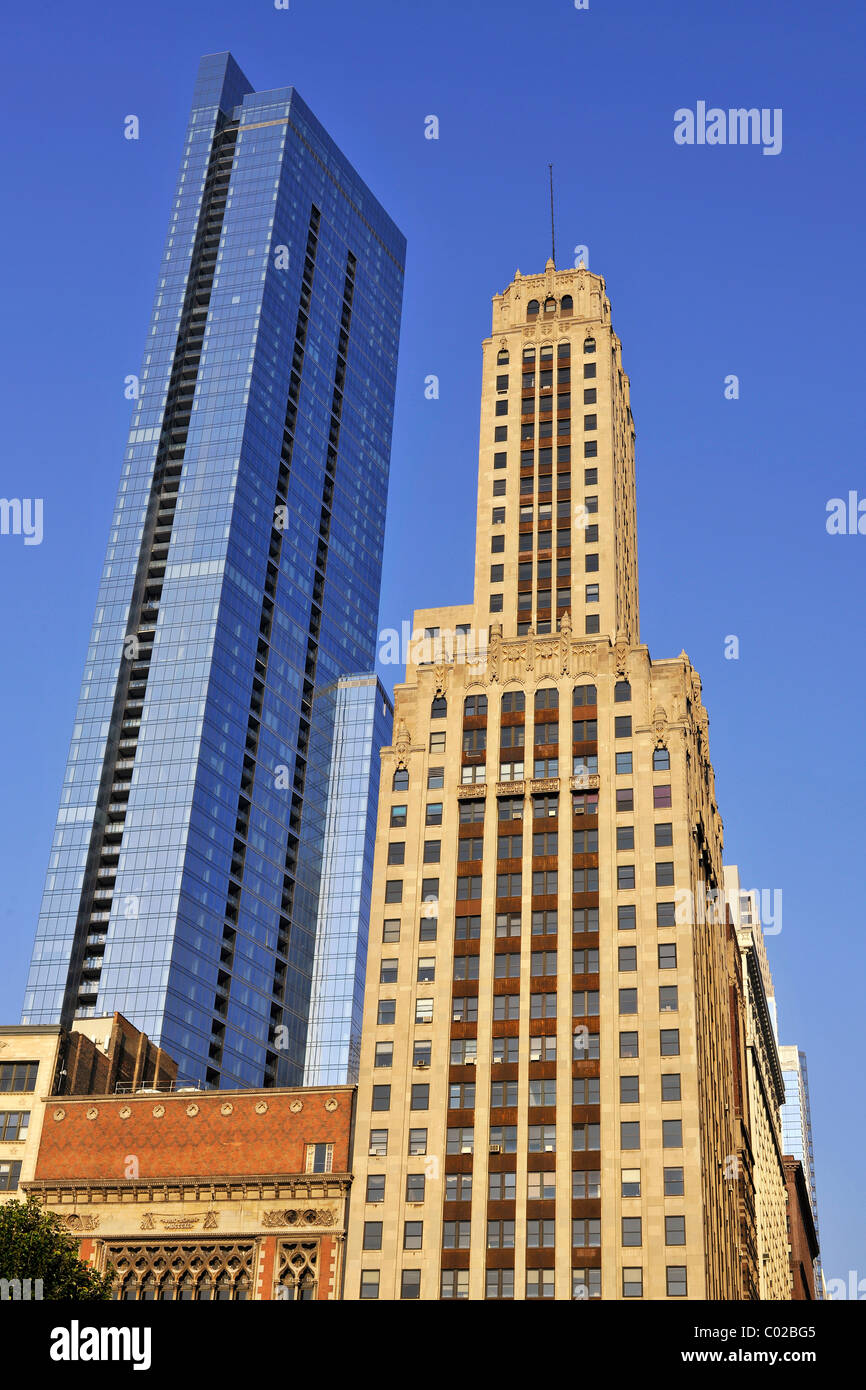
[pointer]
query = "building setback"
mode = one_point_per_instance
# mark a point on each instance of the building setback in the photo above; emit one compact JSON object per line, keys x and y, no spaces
{"x":545,"y":1104}
{"x":242,"y":576}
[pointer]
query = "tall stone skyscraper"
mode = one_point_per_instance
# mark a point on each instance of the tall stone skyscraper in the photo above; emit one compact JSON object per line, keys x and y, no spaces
{"x":546,"y":1079}
{"x":242,"y":576}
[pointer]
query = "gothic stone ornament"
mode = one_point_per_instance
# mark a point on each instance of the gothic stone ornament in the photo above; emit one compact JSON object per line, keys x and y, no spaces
{"x":620,"y":655}
{"x":294,"y":1216}
{"x":402,"y":742}
{"x":81,"y":1223}
{"x":660,"y":721}
{"x":585,"y":659}
{"x":494,"y":653}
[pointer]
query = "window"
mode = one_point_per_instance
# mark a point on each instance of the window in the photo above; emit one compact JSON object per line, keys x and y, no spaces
{"x":632,"y":1282}
{"x":495,"y":603}
{"x":628,"y":1045}
{"x":384,"y":1055}
{"x":585,"y":880}
{"x":396,"y":854}
{"x":456,"y":1235}
{"x":500,"y":1235}
{"x":498,"y":517}
{"x":426,"y":969}
{"x":439,"y":708}
{"x":628,"y":1001}
{"x":500,"y":459}
{"x":664,"y":833}
{"x":394,"y":890}
{"x":590,"y":449}
{"x":421,"y":1053}
{"x":625,"y":837}
{"x":586,"y":1283}
{"x":542,"y":1048}
{"x":413,"y":1234}
{"x":465,"y":1010}
{"x":662,"y":796}
{"x":372,"y":1236}
{"x":545,"y":807}
{"x":431,"y":851}
{"x":666,"y":914}
{"x":546,"y":734}
{"x":589,"y":370}
{"x":628,"y":958}
{"x":539,"y":1235}
{"x":625,"y":876}
{"x":585,"y":842}
{"x":499,"y":1283}
{"x":629,"y":1134}
{"x":542,"y":1005}
{"x":507,"y":885}
{"x":512,"y":736}
{"x":417,"y":1142}
{"x":369,"y":1283}
{"x":381,"y":1098}
{"x":410,"y":1283}
{"x":497,"y":574}
{"x":509,"y":847}
{"x":435,"y":777}
{"x":585,"y":695}
{"x":584,"y":1090}
{"x":671,"y":1085}
{"x":630,"y":1181}
{"x":623,"y":763}
{"x":497,"y":544}
{"x":398,"y":816}
{"x":471,"y":812}
{"x":503,"y":1094}
{"x":543,"y":963}
{"x":626,"y":916}
{"x":629,"y":1090}
{"x":462,"y":1050}
{"x":532,"y":307}
{"x":423,"y":1010}
{"x":437,"y":742}
{"x":467,"y":928}
{"x":18,"y":1076}
{"x":502,"y":1187}
{"x":672,"y":1134}
{"x":584,"y":1003}
{"x":674,"y":1184}
{"x":460,"y":1140}
{"x":545,"y":767}
{"x":589,"y":345}
{"x":548,"y":698}
{"x":664,"y":874}
{"x":668,"y":999}
{"x":631,"y":1230}
{"x":458,"y":1188}
{"x":591,"y":563}
{"x":388,"y":972}
{"x":466,"y":967}
{"x":585,"y":1182}
{"x":586,"y":1233}
{"x":505,"y":1049}
{"x":472,"y":774}
{"x":593,"y":623}
{"x":544,"y":882}
{"x":502,"y":359}
{"x":376,"y":1181}
{"x":513,"y":701}
{"x":387,"y":1011}
{"x":511,"y":771}
{"x":455,"y":1282}
{"x":670,"y":1042}
{"x":14,"y":1125}
{"x":661,"y":760}
{"x":585,"y":1137}
{"x":592,"y":593}
{"x":10,"y":1174}
{"x":541,"y":1187}
{"x":468,"y":887}
{"x":668,"y":956}
{"x":677,"y":1282}
{"x":542,"y":1139}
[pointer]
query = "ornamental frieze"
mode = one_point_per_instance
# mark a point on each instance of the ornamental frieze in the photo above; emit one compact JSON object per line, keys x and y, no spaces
{"x":299,"y":1216}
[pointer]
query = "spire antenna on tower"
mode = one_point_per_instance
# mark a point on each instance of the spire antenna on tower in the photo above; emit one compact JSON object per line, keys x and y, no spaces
{"x":552,"y":225}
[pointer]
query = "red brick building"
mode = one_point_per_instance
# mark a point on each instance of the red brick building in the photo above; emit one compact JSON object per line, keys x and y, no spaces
{"x":196,"y":1195}
{"x":801,"y":1231}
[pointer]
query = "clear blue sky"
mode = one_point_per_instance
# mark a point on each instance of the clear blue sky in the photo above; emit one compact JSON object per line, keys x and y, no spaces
{"x":717,"y":260}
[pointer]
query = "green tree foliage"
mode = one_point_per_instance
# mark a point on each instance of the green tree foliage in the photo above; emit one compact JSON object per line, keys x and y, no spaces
{"x":34,"y":1245}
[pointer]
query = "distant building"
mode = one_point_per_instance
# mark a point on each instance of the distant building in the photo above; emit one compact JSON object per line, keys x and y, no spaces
{"x":802,"y":1235}
{"x":359,"y":720}
{"x":797,"y":1132}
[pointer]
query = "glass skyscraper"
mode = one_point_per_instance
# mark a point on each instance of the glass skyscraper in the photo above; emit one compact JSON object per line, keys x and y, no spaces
{"x":359,"y":717}
{"x":797,"y":1131}
{"x":241,"y":577}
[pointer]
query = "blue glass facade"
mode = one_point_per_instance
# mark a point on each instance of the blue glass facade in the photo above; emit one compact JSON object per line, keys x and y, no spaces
{"x":242,"y":574}
{"x":360,"y":718}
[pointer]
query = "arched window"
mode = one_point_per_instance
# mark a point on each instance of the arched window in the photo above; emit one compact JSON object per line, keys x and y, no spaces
{"x":621,"y":691}
{"x":548,"y":698}
{"x":661,"y":760}
{"x":550,"y":305}
{"x":401,"y":780}
{"x":547,"y":353}
{"x":589,"y":345}
{"x":474,"y":706}
{"x":529,"y":354}
{"x":513,"y":702}
{"x":502,"y":358}
{"x":566,"y":304}
{"x":563,"y":351}
{"x":439,"y":708}
{"x":532,"y":308}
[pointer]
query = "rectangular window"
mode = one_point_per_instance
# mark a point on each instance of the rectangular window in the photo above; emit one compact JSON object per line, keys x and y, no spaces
{"x":632,"y":1282}
{"x":369,"y":1283}
{"x":666,"y":914}
{"x":14,"y":1125}
{"x":664,"y":833}
{"x":625,"y":876}
{"x":671,"y":1085}
{"x":396,"y":852}
{"x":631,"y":1230}
{"x":18,"y":1076}
{"x":372,"y":1236}
{"x":664,"y":874}
{"x":662,"y":795}
{"x":672,"y":1134}
{"x":623,"y":763}
{"x":410,"y":1283}
{"x":677,"y":1281}
{"x":674,"y":1183}
{"x":628,"y":958}
{"x":668,"y":956}
{"x":670,"y":1042}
